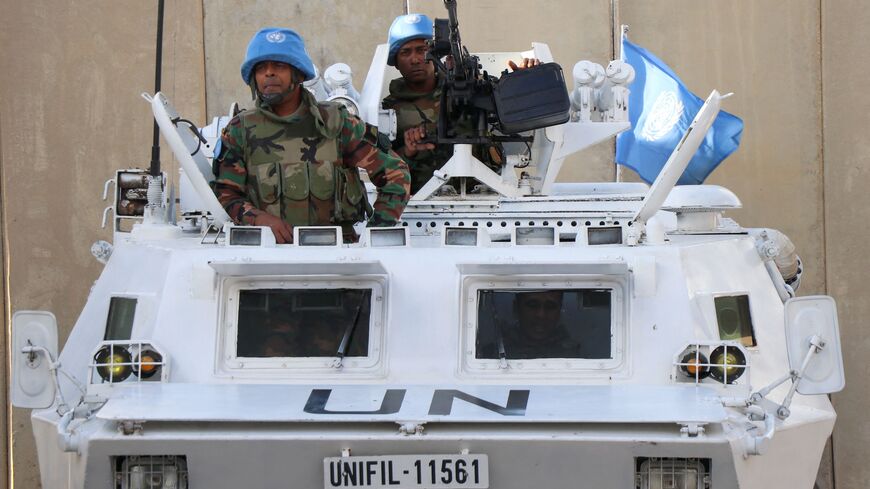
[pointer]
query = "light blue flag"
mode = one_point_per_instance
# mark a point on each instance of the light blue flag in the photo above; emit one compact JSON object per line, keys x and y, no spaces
{"x":661,"y":109}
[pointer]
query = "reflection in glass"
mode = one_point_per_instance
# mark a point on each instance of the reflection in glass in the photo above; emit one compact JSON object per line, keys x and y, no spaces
{"x":303,"y":323}
{"x":544,"y":323}
{"x":119,"y":324}
{"x":735,"y":320}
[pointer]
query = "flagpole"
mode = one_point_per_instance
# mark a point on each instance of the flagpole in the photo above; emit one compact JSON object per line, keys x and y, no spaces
{"x":617,"y":48}
{"x":623,"y":34}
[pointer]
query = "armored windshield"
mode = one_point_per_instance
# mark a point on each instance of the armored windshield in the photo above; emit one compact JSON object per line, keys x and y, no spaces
{"x":544,"y":323}
{"x":303,"y":323}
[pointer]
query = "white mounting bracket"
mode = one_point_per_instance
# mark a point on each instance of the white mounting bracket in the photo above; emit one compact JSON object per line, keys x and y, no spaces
{"x":464,"y":164}
{"x":411,"y":428}
{"x":692,"y":430}
{"x":131,"y":427}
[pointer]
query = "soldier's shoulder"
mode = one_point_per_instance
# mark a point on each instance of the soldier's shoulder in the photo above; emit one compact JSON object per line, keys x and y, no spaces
{"x":333,"y":112}
{"x":390,"y":102}
{"x":242,"y":118}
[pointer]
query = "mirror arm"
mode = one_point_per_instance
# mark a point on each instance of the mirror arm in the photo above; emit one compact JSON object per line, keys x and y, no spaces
{"x":760,"y":394}
{"x":817,"y":344}
{"x":31,"y":351}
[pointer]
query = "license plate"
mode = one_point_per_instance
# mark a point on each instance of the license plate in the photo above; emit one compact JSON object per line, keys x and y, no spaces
{"x":407,"y":471}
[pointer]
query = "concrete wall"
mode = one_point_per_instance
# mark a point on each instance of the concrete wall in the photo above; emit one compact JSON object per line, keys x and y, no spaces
{"x":846,"y":69}
{"x":71,"y":72}
{"x":4,"y":446}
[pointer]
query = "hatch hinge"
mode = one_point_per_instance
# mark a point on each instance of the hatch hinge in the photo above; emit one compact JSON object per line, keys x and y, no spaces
{"x":411,"y":428}
{"x":131,"y":427}
{"x":692,"y":430}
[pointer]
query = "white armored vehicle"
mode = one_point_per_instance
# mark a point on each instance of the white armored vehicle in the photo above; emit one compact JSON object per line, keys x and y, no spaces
{"x":515,"y":333}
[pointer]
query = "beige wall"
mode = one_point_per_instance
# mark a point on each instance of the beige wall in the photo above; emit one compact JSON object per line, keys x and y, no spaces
{"x":71,"y":72}
{"x":846,"y":69}
{"x":4,"y":448}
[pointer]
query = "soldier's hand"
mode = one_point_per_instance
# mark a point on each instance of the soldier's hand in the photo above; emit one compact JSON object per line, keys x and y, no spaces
{"x":413,"y":136}
{"x":283,"y":232}
{"x":525,"y":63}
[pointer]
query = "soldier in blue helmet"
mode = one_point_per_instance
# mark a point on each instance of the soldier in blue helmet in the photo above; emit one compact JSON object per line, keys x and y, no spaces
{"x":292,"y":161}
{"x":416,"y":97}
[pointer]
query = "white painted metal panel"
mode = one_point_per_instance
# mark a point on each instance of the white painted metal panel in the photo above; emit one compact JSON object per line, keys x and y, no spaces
{"x":546,"y":404}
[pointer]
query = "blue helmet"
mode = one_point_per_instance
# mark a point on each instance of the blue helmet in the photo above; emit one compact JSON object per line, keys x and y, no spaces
{"x":277,"y":44}
{"x":407,"y":28}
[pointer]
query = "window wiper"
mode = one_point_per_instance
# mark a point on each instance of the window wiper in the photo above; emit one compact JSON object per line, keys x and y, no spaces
{"x":348,"y":332}
{"x":499,"y":338}
{"x":502,"y":354}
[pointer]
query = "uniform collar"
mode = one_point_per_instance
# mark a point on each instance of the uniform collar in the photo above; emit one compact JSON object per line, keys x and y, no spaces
{"x":307,"y":108}
{"x":399,"y":90}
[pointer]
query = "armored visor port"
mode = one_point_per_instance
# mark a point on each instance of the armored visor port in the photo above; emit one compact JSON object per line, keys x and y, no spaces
{"x":304,"y":323}
{"x":544,"y":323}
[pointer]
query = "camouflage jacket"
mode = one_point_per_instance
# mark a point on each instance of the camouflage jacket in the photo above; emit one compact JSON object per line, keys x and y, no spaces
{"x":414,"y":109}
{"x":303,"y":168}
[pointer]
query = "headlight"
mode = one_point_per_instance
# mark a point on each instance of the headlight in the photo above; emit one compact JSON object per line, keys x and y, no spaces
{"x":672,"y":473}
{"x":728,"y":364}
{"x":695,"y":365}
{"x":151,"y":472}
{"x":147,"y":364}
{"x":721,"y":361}
{"x":113,"y":363}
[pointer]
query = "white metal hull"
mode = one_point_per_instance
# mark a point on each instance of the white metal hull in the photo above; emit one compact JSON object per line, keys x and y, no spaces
{"x":570,"y":456}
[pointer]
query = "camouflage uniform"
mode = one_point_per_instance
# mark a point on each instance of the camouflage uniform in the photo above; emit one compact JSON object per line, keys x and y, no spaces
{"x":416,"y":108}
{"x":303,"y":168}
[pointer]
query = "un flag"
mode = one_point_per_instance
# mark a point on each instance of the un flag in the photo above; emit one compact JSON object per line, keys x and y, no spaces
{"x":661,"y":109}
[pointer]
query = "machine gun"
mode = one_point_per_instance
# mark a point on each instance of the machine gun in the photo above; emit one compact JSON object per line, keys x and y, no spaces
{"x":470,"y":98}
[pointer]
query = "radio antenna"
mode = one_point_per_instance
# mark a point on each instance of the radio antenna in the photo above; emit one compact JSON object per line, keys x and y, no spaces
{"x":155,"y":143}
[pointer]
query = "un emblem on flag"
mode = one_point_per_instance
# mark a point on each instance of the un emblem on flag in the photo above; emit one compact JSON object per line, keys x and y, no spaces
{"x":665,"y":113}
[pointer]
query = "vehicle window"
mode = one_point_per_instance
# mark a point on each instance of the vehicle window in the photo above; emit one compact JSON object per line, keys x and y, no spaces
{"x":119,"y":323}
{"x":544,"y":323}
{"x":735,"y":320}
{"x":303,"y":323}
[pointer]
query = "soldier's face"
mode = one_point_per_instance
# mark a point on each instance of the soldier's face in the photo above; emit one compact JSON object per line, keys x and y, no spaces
{"x":273,"y":77}
{"x":539,"y":312}
{"x":411,"y":61}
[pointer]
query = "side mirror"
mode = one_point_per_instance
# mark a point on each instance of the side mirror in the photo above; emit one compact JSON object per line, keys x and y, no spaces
{"x":813,"y":320}
{"x":34,"y":350}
